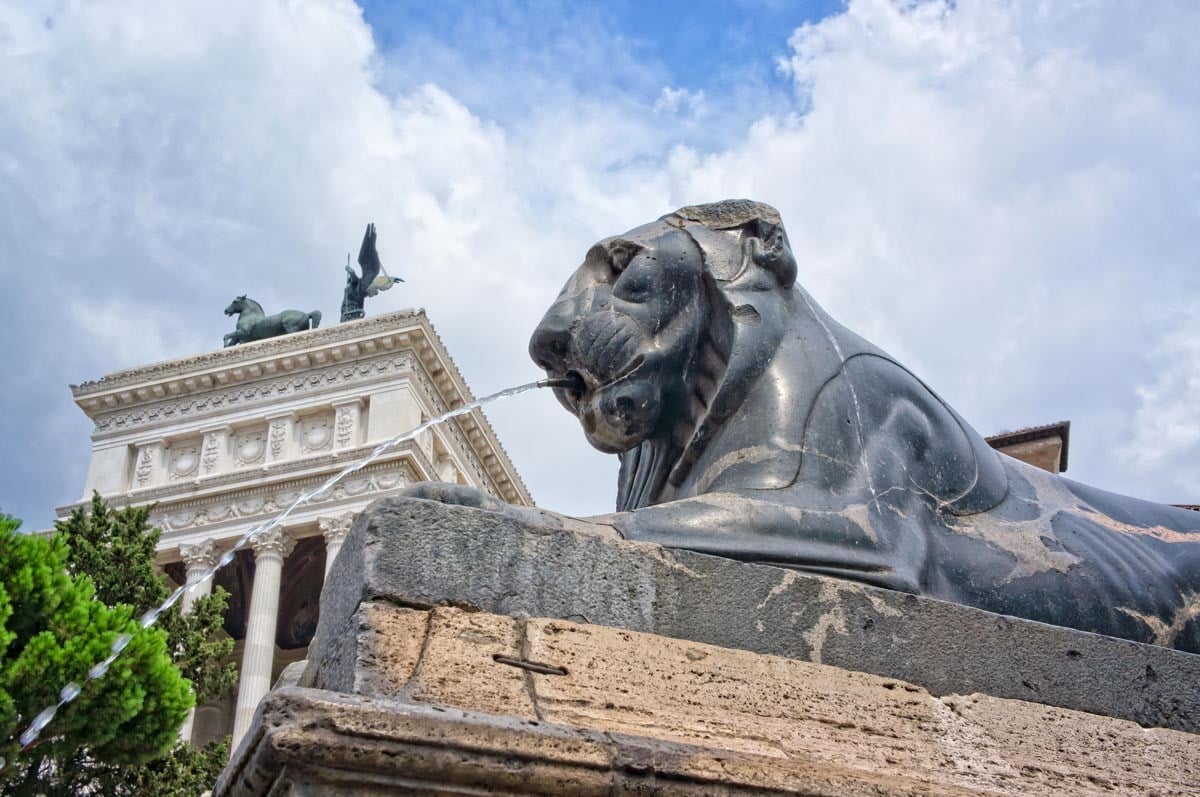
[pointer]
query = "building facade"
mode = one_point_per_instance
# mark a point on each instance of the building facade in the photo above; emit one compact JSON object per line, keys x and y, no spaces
{"x":224,"y":441}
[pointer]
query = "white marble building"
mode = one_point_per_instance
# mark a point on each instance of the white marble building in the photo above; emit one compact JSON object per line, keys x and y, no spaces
{"x":224,"y":440}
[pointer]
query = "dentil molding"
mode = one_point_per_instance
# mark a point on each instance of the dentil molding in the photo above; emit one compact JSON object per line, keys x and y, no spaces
{"x":253,"y":395}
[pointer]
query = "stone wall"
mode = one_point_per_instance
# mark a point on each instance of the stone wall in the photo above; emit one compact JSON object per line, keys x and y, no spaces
{"x":462,"y":652}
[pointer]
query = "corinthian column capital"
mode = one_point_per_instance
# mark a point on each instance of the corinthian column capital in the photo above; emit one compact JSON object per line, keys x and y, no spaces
{"x":272,"y":541}
{"x":200,"y":555}
{"x":336,"y":528}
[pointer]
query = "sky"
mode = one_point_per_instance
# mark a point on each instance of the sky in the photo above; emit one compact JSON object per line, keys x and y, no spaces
{"x":1003,"y":194}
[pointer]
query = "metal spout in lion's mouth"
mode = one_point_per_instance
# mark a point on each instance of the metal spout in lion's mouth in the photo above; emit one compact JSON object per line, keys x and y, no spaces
{"x":570,"y":381}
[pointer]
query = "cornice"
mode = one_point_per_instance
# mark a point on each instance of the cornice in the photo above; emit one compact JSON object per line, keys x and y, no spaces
{"x":249,"y":352}
{"x":262,"y":371}
{"x":504,"y":474}
{"x":217,"y":401}
{"x":225,"y":515}
{"x":479,"y":431}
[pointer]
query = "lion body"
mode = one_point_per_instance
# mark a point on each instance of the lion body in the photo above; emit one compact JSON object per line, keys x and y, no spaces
{"x":770,"y":433}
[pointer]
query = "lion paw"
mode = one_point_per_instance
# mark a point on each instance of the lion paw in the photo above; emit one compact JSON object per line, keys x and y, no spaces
{"x":454,"y":495}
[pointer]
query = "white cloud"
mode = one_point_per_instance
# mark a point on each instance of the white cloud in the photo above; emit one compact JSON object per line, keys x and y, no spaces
{"x":1002,"y":194}
{"x":1166,"y":427}
{"x":680,"y":100}
{"x":168,"y":157}
{"x":122,"y":332}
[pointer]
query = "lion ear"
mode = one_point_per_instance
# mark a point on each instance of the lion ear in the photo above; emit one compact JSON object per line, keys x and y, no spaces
{"x":767,"y":246}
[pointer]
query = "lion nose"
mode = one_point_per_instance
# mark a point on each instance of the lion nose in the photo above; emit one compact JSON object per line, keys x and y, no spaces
{"x":550,"y":341}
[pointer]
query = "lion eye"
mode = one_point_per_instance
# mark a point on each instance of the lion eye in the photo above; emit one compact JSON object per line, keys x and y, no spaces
{"x":620,"y":253}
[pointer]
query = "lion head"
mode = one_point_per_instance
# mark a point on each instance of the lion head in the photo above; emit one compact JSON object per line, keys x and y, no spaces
{"x":652,"y":325}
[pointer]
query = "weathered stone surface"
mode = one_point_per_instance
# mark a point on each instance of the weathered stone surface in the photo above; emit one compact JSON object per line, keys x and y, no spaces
{"x":311,"y":742}
{"x":421,"y":554}
{"x":586,"y":709}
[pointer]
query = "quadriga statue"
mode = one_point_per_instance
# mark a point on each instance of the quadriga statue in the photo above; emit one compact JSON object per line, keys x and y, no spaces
{"x":752,"y":425}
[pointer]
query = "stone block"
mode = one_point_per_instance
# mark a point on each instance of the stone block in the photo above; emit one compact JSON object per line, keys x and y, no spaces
{"x":502,"y":705}
{"x":420,"y":554}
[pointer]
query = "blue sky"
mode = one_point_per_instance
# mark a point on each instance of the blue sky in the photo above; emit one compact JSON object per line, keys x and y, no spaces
{"x":503,"y":59}
{"x":1005,"y":194}
{"x":709,"y":45}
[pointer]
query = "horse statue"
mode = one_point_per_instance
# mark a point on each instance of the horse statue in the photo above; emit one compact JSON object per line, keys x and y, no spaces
{"x":253,"y":324}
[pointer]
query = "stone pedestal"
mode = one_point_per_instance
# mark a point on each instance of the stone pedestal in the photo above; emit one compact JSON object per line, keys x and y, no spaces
{"x":464,"y":653}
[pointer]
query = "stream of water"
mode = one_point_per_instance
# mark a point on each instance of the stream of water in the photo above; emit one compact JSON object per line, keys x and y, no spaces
{"x":72,"y":690}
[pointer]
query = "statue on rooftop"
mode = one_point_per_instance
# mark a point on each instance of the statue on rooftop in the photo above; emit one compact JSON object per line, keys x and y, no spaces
{"x":254,"y":324}
{"x":373,"y":279}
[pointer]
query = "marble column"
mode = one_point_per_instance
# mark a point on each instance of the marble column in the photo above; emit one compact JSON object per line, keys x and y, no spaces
{"x":335,"y":530}
{"x":270,"y":548}
{"x":198,"y":559}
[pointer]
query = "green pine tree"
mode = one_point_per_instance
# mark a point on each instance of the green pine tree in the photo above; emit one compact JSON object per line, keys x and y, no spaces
{"x":116,"y":549}
{"x":52,"y":632}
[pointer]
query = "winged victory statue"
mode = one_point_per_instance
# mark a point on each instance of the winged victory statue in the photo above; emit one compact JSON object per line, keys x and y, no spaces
{"x":372,"y":280}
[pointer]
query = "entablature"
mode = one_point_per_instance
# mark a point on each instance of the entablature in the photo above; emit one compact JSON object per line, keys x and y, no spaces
{"x":231,"y":410}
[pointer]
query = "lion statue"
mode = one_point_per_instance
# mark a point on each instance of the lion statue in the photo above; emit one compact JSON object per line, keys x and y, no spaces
{"x":751,"y":425}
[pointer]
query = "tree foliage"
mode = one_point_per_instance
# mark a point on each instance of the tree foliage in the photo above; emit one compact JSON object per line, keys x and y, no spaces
{"x":116,"y":549}
{"x":54,"y":631}
{"x":113,"y":550}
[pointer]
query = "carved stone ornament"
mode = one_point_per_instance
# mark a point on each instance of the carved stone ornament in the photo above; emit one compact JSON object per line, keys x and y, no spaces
{"x":752,"y":425}
{"x":185,"y":460}
{"x":200,"y":556}
{"x":144,"y":471}
{"x":250,"y":447}
{"x":335,"y":529}
{"x":316,"y":433}
{"x":279,"y":432}
{"x":212,"y":452}
{"x":235,"y":507}
{"x":272,"y":541}
{"x":346,"y":416}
